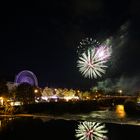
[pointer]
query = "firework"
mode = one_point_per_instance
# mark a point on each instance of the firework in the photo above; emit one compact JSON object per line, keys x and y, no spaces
{"x":92,"y":62}
{"x":86,"y":44}
{"x":91,"y":131}
{"x":103,"y":52}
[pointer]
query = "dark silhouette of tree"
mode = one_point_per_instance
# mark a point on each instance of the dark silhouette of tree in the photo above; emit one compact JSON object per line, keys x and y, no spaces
{"x":3,"y":89}
{"x":38,"y":93}
{"x":25,"y":93}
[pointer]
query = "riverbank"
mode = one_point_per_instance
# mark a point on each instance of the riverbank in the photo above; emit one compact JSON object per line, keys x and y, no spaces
{"x":63,"y":107}
{"x":68,"y":107}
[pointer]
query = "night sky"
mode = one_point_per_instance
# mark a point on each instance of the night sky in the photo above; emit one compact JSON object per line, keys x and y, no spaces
{"x":44,"y":39}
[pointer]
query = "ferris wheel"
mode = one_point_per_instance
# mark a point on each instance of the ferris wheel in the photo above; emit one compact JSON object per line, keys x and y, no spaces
{"x":26,"y":76}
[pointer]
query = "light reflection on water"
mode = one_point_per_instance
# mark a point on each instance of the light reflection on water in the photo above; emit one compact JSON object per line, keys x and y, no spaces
{"x":116,"y":116}
{"x":108,"y":116}
{"x":120,"y":112}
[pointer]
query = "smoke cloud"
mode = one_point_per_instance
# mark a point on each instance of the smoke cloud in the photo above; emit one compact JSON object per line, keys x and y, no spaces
{"x":129,"y":85}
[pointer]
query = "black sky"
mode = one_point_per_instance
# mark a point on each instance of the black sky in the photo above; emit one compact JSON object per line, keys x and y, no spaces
{"x":44,"y":38}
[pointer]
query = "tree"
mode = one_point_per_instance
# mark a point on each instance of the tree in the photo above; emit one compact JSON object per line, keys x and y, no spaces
{"x":4,"y":89}
{"x":25,"y":93}
{"x":47,"y":92}
{"x":5,"y":96}
{"x":38,"y":93}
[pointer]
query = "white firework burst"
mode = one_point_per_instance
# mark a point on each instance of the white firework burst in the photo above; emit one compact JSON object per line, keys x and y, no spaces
{"x":92,"y":63}
{"x":86,"y":44}
{"x":91,"y":131}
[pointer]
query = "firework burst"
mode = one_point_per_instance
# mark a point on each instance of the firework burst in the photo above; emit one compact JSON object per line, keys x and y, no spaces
{"x":103,"y":52}
{"x":91,"y":131}
{"x":86,"y":44}
{"x":92,"y":62}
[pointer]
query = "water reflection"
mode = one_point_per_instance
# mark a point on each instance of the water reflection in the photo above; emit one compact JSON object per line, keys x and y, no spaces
{"x":120,"y":111}
{"x":28,"y":127}
{"x":118,"y":115}
{"x":35,"y":128}
{"x":4,"y":122}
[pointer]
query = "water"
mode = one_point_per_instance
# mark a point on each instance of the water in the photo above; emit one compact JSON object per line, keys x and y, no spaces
{"x":26,"y":126}
{"x":117,"y":116}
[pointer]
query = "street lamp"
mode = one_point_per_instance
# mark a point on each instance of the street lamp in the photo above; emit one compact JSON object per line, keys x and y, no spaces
{"x":120,"y":91}
{"x":36,"y":91}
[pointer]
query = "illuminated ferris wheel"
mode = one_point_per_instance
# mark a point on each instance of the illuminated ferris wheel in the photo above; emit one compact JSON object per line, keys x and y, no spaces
{"x":26,"y":76}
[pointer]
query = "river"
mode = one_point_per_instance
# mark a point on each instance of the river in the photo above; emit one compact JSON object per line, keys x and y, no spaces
{"x":28,"y":126}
